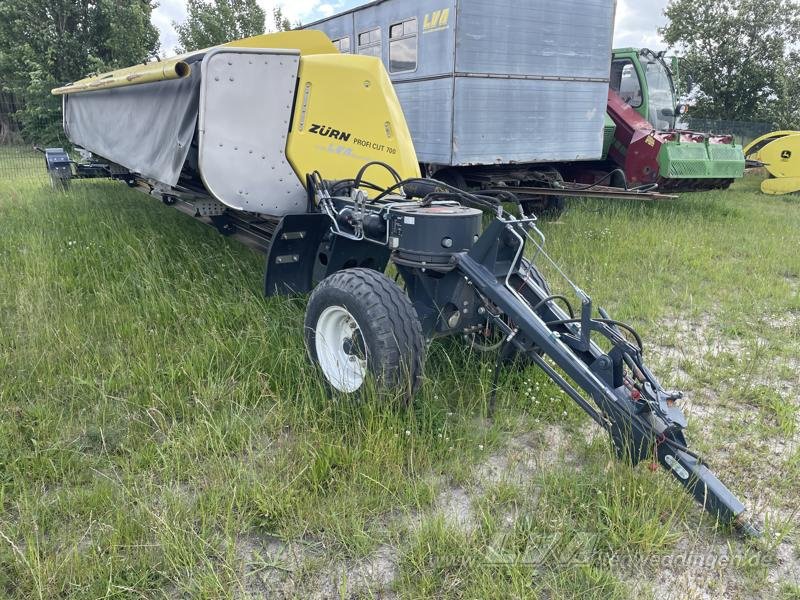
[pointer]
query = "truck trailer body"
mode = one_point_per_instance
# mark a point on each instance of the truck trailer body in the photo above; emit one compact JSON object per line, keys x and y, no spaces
{"x":538,"y":74}
{"x":452,"y":60}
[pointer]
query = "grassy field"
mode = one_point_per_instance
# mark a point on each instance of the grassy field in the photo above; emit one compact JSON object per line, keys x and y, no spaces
{"x":162,"y":434}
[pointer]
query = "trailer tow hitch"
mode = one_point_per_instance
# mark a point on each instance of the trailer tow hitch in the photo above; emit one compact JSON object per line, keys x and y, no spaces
{"x":464,"y":278}
{"x":614,"y":387}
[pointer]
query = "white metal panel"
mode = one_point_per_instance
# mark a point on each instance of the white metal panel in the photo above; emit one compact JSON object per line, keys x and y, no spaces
{"x":507,"y":121}
{"x":246,"y":100}
{"x":428,"y":106}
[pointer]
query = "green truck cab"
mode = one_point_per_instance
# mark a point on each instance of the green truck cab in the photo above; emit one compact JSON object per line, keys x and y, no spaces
{"x":644,"y":138}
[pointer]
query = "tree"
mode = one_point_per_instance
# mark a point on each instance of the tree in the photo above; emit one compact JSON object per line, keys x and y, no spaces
{"x":213,"y":22}
{"x":736,"y":52}
{"x":785,"y":109}
{"x":46,"y":43}
{"x":281,"y":23}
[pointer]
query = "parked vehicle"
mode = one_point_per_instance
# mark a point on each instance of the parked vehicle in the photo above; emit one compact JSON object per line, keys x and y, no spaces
{"x":538,"y":74}
{"x":779,"y":153}
{"x":645,"y":140}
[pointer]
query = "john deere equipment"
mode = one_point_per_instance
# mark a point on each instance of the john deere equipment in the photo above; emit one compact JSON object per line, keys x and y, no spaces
{"x":779,"y":153}
{"x":304,"y":154}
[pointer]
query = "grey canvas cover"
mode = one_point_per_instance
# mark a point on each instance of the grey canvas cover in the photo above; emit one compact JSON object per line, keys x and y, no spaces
{"x":146,"y":128}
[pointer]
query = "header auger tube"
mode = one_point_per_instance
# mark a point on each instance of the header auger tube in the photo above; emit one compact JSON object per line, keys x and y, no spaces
{"x":461,"y":281}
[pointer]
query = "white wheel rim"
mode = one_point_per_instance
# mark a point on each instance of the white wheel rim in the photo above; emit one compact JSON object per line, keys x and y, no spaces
{"x":336,"y":331}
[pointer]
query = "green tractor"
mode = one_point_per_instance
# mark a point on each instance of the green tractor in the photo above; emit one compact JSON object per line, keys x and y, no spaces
{"x":643,"y":136}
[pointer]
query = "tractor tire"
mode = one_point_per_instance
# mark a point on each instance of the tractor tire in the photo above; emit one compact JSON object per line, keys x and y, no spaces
{"x":554,"y":207}
{"x":360,"y":325}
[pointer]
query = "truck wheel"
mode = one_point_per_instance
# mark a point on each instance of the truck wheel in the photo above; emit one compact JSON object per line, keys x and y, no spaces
{"x":452,"y":177}
{"x":546,"y":207}
{"x":554,"y":207}
{"x":359,"y":324}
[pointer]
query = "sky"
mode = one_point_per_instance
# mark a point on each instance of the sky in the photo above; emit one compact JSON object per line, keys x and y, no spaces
{"x":636,"y":25}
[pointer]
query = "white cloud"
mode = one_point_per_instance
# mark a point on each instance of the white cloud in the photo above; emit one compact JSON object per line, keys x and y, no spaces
{"x":163,"y":17}
{"x":638,"y":22}
{"x":326,"y":10}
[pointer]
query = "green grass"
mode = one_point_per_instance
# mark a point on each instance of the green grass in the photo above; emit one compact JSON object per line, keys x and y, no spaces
{"x":21,"y":163}
{"x":163,"y":435}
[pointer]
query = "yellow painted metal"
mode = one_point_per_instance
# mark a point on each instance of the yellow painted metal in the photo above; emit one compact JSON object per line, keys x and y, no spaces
{"x":174,"y":68}
{"x":781,"y":186}
{"x":307,"y":42}
{"x":781,"y":158}
{"x":347,"y":114}
{"x":752,"y":149}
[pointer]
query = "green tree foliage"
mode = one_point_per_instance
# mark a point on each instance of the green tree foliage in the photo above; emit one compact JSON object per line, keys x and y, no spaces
{"x":281,"y":22}
{"x":214,"y":22}
{"x":737,"y":52}
{"x":785,"y":109}
{"x":46,"y":43}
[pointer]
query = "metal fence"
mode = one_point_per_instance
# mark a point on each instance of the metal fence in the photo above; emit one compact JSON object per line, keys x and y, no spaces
{"x":744,"y":131}
{"x":19,"y":160}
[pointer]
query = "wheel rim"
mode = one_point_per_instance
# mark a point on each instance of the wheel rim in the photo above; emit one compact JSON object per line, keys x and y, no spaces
{"x":340,"y":349}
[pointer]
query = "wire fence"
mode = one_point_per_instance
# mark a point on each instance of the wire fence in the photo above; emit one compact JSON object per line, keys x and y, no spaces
{"x":24,"y":125}
{"x":21,"y":163}
{"x":744,"y":131}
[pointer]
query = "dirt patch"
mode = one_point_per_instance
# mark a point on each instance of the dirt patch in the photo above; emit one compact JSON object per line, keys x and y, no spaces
{"x":712,"y":566}
{"x":380,"y":569}
{"x":789,"y":320}
{"x":705,"y":565}
{"x":526,"y":455}
{"x":274,"y":568}
{"x":270,"y":566}
{"x":689,"y":339}
{"x":455,"y":505}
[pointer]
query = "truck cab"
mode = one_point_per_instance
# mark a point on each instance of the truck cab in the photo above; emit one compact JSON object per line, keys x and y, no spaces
{"x":643,"y":80}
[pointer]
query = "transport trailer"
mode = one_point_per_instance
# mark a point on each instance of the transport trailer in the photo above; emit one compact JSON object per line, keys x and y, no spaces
{"x":494,"y":92}
{"x":304,"y":154}
{"x":539,"y":75}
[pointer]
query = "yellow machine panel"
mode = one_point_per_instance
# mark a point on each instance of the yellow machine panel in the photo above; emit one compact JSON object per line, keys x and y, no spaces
{"x":306,"y":41}
{"x":782,"y":157}
{"x":347,"y":114}
{"x":782,"y":160}
{"x":779,"y":151}
{"x":751,"y":151}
